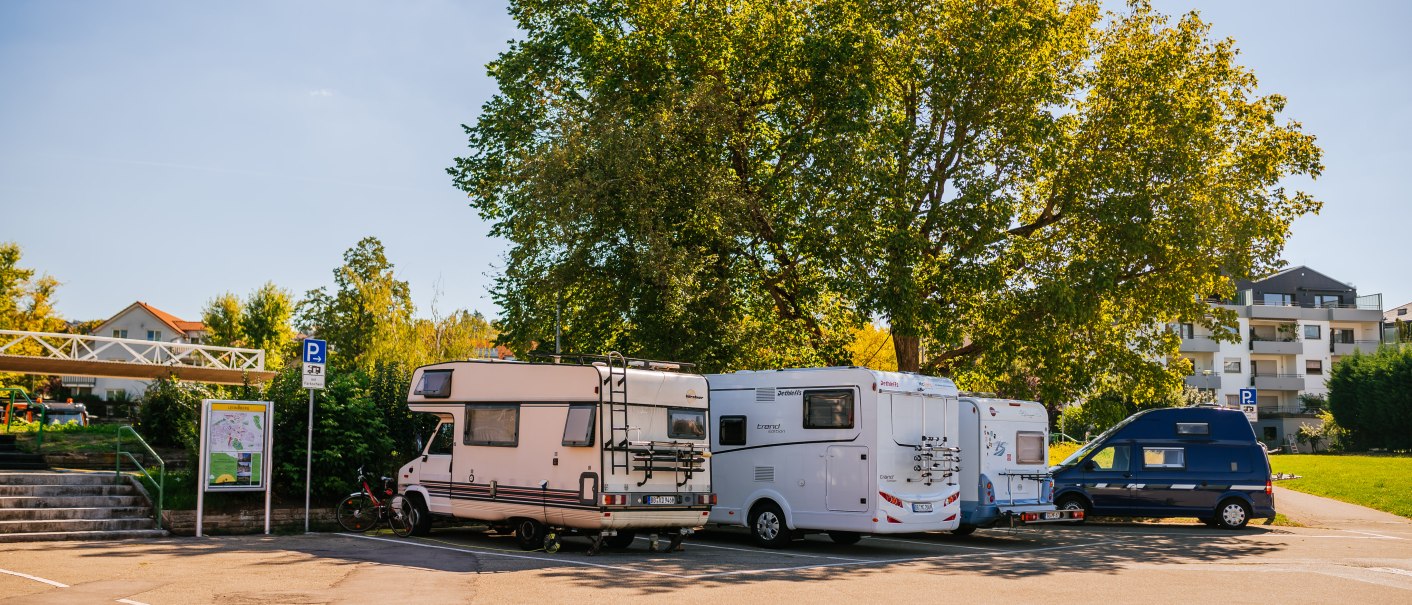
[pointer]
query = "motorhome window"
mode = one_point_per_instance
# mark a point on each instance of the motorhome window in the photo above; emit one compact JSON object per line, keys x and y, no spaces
{"x":1163,"y":457}
{"x":732,"y":430}
{"x":1111,"y":458}
{"x":686,"y":423}
{"x":578,"y":426}
{"x":1029,"y":447}
{"x":1193,"y":428}
{"x":497,"y":424}
{"x":434,"y":383}
{"x":444,"y":439}
{"x":828,"y":409}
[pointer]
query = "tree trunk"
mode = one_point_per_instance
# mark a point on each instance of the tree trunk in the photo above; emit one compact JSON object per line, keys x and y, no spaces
{"x":909,"y":351}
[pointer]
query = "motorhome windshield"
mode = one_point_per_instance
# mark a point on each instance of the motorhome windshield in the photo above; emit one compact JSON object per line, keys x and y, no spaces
{"x":1089,"y":447}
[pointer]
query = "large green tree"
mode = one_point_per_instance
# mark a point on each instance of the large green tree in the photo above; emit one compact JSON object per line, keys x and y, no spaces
{"x":366,"y":310}
{"x":261,"y":321}
{"x":1023,"y":190}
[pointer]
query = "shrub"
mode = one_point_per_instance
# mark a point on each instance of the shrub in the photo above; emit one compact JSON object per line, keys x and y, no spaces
{"x":170,"y":411}
{"x":1370,"y":397}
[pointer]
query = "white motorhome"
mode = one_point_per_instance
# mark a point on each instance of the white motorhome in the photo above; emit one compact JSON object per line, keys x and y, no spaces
{"x":846,"y":450}
{"x":606,"y":449}
{"x":1006,"y":478}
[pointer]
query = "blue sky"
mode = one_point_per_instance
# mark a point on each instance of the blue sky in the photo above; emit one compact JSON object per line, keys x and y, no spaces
{"x":170,"y":151}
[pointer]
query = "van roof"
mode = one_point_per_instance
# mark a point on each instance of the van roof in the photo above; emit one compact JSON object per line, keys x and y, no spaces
{"x":1161,"y":423}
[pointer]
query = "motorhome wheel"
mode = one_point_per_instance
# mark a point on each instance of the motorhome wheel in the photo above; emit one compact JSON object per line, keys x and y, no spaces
{"x":1232,"y":514}
{"x":622,"y":540}
{"x":421,"y":517}
{"x":845,"y":537}
{"x":767,"y":526}
{"x":529,"y":534}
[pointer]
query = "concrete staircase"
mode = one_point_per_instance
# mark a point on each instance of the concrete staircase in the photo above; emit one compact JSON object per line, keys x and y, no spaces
{"x":40,"y":506}
{"x":11,"y":458}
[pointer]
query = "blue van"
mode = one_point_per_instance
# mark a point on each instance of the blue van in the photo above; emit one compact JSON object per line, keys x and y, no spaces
{"x":1201,"y":462}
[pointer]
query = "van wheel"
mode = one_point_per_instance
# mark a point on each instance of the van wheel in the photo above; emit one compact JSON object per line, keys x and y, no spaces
{"x":1075,"y":502}
{"x":622,"y":540}
{"x":421,"y":517}
{"x":964,"y":530}
{"x":767,"y":526}
{"x":529,"y":534}
{"x":1232,"y":514}
{"x":845,"y":537}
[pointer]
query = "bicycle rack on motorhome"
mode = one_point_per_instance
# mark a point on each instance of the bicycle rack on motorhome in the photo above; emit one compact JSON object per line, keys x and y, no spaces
{"x":601,"y":446}
{"x":848,"y":451}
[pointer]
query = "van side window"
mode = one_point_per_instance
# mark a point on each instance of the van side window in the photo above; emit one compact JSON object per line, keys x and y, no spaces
{"x":732,"y":430}
{"x":1163,"y":457}
{"x":828,"y":409}
{"x":1029,"y":447}
{"x":1193,"y":428}
{"x":495,"y":424}
{"x":686,"y":423}
{"x":444,"y":439}
{"x":1111,"y":458}
{"x":578,"y":425}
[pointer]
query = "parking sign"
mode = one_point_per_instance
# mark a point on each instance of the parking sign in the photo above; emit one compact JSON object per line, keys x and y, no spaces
{"x":315,"y":351}
{"x":1248,"y":404}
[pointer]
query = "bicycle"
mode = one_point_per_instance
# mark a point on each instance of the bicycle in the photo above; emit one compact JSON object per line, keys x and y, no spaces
{"x":364,"y":510}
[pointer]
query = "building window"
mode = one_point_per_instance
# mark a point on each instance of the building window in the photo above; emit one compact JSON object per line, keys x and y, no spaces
{"x":154,"y":335}
{"x":1402,"y":311}
{"x":1312,"y":332}
{"x":1187,"y":331}
{"x":732,"y":430}
{"x":112,"y":394}
{"x":495,"y":424}
{"x":1341,"y":335}
{"x":1232,"y":366}
{"x":1327,"y":301}
{"x":1232,"y":401}
{"x":119,"y":333}
{"x":1314,"y":367}
{"x":828,"y":409}
{"x":1276,"y":299}
{"x":1269,"y":433}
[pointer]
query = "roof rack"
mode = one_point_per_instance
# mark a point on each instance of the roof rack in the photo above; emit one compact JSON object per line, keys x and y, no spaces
{"x":585,"y":359}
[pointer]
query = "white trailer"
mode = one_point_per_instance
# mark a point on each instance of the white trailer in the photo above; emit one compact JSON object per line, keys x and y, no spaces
{"x":605,"y":449}
{"x":846,"y":450}
{"x":1006,"y":478}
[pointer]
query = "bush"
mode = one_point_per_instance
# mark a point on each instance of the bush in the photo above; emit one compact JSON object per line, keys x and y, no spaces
{"x":1370,"y":397}
{"x":170,"y":412}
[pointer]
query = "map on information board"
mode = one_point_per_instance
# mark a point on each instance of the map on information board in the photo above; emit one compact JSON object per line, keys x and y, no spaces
{"x":235,"y":445}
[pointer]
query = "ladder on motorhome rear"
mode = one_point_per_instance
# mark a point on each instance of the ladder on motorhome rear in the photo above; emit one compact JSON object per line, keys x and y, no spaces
{"x":618,"y":429}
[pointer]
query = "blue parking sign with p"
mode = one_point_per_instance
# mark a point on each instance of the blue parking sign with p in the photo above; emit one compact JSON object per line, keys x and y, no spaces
{"x":315,"y":351}
{"x":1247,"y":396}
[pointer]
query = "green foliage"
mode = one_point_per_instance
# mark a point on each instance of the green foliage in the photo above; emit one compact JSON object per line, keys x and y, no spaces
{"x":170,"y":411}
{"x":261,"y":321}
{"x":222,"y":319}
{"x":1025,"y":190}
{"x":1371,"y":398}
{"x":350,"y":431}
{"x":1111,"y":405}
{"x":366,"y":310}
{"x":26,"y":303}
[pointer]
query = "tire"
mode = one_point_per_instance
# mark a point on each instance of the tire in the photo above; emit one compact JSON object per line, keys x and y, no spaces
{"x":401,"y":516}
{"x":622,"y":540}
{"x":845,"y":537}
{"x":529,"y":534}
{"x":1232,"y":513}
{"x":1075,"y":502}
{"x":421,"y":517}
{"x":964,"y":530}
{"x":767,"y":526}
{"x":357,"y":514}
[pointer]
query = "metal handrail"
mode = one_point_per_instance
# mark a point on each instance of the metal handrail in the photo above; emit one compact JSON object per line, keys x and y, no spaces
{"x":161,"y":482}
{"x":10,"y":413}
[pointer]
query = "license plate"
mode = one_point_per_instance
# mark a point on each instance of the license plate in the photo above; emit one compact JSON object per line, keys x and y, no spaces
{"x":921,"y":507}
{"x":1053,"y":515}
{"x":661,"y":499}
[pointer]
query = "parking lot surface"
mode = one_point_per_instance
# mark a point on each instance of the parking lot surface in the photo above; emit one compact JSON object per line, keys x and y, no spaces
{"x":1368,"y":559}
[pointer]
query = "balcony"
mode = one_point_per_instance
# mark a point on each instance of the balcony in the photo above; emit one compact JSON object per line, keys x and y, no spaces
{"x":1276,"y":347}
{"x":1277,"y":382}
{"x":1348,"y":347}
{"x":1204,"y":381}
{"x":1200,"y":344}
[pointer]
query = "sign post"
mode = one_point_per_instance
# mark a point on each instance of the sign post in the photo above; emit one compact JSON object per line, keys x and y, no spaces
{"x":315,"y":364}
{"x":1248,"y":405}
{"x":235,"y":446}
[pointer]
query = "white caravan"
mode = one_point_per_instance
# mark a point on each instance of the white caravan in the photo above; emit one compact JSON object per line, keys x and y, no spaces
{"x":1006,"y":477}
{"x":848,"y":451}
{"x":606,"y":449}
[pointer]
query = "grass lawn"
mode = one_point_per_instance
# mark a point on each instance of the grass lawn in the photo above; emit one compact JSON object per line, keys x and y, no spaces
{"x":1381,"y":482}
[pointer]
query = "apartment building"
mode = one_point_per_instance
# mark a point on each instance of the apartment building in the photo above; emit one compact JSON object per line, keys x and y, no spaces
{"x":1293,"y":326}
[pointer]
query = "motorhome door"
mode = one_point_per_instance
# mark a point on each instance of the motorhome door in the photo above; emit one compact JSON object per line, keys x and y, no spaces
{"x":435,"y":471}
{"x":848,"y":487}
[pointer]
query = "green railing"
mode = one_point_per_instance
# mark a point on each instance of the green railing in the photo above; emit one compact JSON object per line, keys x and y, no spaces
{"x":160,"y":482}
{"x":10,"y":393}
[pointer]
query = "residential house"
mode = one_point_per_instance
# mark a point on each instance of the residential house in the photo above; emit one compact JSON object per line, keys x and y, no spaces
{"x":139,"y":321}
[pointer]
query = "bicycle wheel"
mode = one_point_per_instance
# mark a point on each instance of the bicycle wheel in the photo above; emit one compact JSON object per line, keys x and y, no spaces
{"x":356,"y":513}
{"x":401,"y":517}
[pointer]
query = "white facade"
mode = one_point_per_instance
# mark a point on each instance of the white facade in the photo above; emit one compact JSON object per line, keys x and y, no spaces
{"x":139,"y":321}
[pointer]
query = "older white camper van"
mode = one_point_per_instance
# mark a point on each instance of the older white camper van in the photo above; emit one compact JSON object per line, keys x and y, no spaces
{"x":606,"y":448}
{"x":1007,"y":475}
{"x":848,"y":451}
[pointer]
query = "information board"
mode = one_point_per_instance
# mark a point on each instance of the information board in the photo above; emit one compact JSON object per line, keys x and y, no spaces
{"x":235,"y":440}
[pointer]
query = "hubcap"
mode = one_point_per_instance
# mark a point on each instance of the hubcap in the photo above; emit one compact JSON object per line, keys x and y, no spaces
{"x":768,"y":525}
{"x":1234,"y":514}
{"x":1071,"y":505}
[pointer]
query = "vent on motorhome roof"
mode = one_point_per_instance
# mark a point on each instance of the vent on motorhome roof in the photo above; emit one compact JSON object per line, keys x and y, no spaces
{"x":765,"y":474}
{"x":765,"y":395}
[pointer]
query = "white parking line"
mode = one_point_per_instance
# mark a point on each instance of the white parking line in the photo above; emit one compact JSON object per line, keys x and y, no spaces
{"x":35,"y":578}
